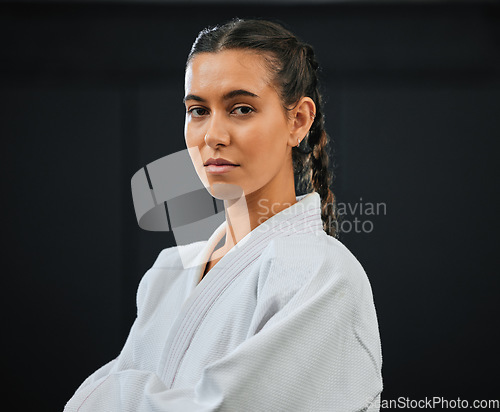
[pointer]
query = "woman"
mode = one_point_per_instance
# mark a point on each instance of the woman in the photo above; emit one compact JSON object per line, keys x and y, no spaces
{"x":281,"y":316}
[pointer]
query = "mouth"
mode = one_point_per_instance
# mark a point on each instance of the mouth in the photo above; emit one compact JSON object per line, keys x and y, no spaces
{"x":220,"y":161}
{"x":218,"y":169}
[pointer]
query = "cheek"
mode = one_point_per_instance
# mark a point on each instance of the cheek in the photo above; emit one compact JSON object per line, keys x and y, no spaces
{"x":270,"y":139}
{"x":191,"y":136}
{"x":187,"y":135}
{"x":196,"y":159}
{"x":192,"y":144}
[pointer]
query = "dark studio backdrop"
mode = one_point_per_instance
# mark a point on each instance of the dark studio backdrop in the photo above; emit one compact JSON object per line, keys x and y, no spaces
{"x":91,"y":92}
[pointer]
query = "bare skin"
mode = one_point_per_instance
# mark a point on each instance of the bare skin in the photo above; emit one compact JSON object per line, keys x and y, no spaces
{"x":251,"y":130}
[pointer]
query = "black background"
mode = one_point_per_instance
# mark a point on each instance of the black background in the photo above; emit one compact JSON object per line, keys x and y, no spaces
{"x":90,"y":93}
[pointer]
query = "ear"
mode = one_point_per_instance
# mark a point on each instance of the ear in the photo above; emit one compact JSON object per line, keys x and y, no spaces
{"x":301,"y":120}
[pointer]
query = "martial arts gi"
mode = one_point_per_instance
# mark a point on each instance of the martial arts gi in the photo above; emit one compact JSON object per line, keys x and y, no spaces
{"x":285,"y":323}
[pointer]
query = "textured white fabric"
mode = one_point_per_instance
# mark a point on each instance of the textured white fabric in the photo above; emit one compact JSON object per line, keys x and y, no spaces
{"x":284,"y":323}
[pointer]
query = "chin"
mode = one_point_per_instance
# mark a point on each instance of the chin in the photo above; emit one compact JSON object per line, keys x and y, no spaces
{"x":226,"y":191}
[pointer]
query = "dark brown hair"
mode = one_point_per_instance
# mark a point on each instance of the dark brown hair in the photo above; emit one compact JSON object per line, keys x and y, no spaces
{"x":295,"y":70}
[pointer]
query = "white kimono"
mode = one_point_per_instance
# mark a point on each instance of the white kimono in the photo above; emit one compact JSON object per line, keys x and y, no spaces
{"x":284,"y":323}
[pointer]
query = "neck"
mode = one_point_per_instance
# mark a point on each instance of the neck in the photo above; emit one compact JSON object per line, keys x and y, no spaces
{"x":245,"y":214}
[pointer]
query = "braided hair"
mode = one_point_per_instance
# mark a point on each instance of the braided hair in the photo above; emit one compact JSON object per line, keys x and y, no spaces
{"x":295,"y":70}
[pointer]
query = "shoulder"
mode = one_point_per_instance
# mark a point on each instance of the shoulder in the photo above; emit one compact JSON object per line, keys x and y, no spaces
{"x":314,"y":255}
{"x":310,"y":269}
{"x":309,"y":266}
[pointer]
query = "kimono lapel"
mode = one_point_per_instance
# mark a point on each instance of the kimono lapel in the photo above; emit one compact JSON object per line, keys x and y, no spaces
{"x":302,"y":217}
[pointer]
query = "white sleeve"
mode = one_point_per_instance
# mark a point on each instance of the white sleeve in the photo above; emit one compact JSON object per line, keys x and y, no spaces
{"x":319,"y":352}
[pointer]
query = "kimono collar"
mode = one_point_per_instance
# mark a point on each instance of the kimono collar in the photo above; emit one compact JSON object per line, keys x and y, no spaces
{"x":299,"y":218}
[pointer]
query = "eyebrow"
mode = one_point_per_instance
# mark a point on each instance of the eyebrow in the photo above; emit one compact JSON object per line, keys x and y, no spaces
{"x":230,"y":95}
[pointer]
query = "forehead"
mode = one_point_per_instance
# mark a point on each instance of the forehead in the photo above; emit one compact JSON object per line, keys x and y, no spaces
{"x":228,"y":69}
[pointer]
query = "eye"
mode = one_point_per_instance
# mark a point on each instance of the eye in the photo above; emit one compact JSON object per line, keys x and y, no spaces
{"x":197,"y":111}
{"x":244,"y":110}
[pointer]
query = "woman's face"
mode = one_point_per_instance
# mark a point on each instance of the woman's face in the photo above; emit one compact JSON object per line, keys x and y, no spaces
{"x":233,"y":112}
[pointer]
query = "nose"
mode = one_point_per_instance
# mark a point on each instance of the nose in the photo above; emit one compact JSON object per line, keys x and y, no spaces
{"x":217,"y":133}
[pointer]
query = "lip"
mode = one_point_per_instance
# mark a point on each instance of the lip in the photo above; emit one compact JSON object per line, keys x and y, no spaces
{"x":219,"y":161}
{"x":219,"y":169}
